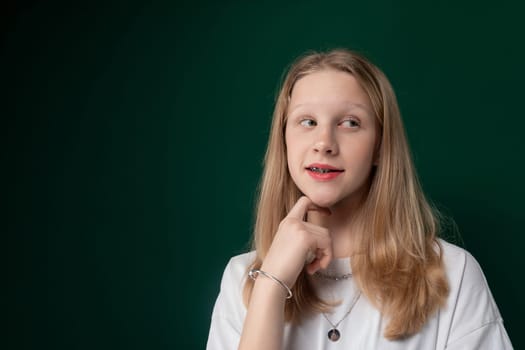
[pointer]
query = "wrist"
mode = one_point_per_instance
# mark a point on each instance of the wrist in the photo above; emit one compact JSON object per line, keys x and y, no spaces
{"x":271,"y":281}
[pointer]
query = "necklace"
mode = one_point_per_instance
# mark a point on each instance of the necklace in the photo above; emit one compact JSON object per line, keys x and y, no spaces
{"x":333,"y":277}
{"x":334,"y":334}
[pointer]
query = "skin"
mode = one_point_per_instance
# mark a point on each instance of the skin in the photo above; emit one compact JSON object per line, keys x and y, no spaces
{"x":330,"y":122}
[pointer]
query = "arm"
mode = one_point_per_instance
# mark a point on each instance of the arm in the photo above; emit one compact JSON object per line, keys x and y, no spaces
{"x":489,"y":336}
{"x":229,"y":311}
{"x":264,"y":323}
{"x":476,"y":322}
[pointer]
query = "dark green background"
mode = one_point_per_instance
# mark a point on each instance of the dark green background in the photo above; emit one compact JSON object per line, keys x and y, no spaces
{"x":135,"y":134}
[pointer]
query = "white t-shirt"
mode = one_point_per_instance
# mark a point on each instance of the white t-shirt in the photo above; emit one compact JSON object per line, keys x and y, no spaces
{"x":469,"y":320}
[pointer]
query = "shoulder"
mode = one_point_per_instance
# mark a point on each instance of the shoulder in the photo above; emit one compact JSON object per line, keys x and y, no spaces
{"x":232,"y":283}
{"x":241,"y":260}
{"x":453,"y":253}
{"x":470,"y":305}
{"x":229,"y":311}
{"x":463,"y":270}
{"x":237,"y":267}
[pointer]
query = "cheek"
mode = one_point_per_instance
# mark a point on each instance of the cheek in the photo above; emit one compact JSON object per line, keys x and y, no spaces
{"x":292,"y":158}
{"x":289,"y":154}
{"x":293,"y":149}
{"x":295,"y":160}
{"x":363,"y":152}
{"x":287,"y":144}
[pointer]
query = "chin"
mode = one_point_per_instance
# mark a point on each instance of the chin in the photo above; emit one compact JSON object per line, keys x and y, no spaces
{"x":323,"y":201}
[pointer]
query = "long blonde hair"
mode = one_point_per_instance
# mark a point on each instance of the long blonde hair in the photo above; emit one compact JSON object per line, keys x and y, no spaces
{"x":398,"y":264}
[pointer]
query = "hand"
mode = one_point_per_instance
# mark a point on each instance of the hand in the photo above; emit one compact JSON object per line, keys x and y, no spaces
{"x":292,"y":242}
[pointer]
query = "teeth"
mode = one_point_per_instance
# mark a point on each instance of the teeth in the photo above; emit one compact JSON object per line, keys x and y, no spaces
{"x":320,"y":170}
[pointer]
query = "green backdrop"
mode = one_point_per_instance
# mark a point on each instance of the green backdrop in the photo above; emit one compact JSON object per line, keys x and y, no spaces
{"x":135,"y":134}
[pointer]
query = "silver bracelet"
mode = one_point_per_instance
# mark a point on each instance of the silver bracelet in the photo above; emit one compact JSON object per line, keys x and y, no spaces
{"x":254,"y":273}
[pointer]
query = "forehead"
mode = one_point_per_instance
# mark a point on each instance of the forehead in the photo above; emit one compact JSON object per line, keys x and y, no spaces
{"x":328,"y":88}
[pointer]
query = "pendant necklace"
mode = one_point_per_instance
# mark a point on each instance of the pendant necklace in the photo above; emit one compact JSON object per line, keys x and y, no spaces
{"x":334,"y":334}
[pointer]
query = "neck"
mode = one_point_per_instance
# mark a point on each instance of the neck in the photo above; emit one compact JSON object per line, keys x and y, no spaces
{"x":342,"y":224}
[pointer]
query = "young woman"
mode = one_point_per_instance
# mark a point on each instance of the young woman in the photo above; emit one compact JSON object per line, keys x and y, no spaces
{"x":345,"y":253}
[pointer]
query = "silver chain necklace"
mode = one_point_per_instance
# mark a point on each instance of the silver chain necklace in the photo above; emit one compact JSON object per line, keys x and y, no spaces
{"x":334,"y":334}
{"x":333,"y":277}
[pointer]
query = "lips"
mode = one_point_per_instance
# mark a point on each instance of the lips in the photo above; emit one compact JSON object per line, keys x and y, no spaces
{"x":323,"y":168}
{"x":323,"y":172}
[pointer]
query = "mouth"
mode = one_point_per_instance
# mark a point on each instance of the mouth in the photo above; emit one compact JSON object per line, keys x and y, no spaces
{"x":319,"y":168}
{"x":323,"y":170}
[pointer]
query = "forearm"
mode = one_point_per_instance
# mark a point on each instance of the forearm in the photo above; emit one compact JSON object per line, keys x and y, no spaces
{"x":264,"y":322}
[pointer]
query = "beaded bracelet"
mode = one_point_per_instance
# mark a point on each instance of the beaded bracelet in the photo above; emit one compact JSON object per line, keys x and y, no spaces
{"x":254,"y":273}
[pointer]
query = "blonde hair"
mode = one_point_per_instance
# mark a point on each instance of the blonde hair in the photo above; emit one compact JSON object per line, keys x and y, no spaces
{"x":398,"y":263}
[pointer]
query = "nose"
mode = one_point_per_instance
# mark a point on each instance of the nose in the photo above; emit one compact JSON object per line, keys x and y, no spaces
{"x":326,"y":143}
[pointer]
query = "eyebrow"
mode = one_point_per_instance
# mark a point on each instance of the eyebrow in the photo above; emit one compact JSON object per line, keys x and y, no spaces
{"x":347,"y":105}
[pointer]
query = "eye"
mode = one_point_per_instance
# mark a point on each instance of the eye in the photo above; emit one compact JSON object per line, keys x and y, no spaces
{"x":308,"y":123}
{"x":350,"y":123}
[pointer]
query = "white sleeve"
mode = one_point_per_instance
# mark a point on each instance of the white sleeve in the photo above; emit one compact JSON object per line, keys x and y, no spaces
{"x":477,"y":323}
{"x":491,"y":336}
{"x":224,"y":335}
{"x":229,"y":311}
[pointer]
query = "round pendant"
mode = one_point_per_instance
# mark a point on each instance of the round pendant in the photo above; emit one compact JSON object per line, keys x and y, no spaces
{"x":334,"y":335}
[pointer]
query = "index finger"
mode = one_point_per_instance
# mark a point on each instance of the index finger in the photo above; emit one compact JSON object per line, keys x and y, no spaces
{"x":301,"y":207}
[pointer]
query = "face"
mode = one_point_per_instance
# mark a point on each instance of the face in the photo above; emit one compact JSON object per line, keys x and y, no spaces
{"x":331,"y":137}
